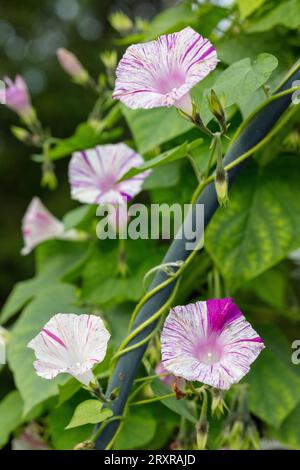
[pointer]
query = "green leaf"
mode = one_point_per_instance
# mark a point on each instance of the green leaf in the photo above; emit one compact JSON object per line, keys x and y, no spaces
{"x":34,"y":389}
{"x":67,"y":390}
{"x":273,"y":381}
{"x":171,"y":20}
{"x":232,"y":49}
{"x":163,"y":177}
{"x":101,"y":286}
{"x":242,"y":78}
{"x":289,"y":431}
{"x":138,"y":429}
{"x":271,"y":287}
{"x":56,"y":260}
{"x":89,"y":412}
{"x":167,"y":157}
{"x":286,"y":14}
{"x":59,"y":417}
{"x":247,"y":7}
{"x":77,"y":216}
{"x":153,"y":127}
{"x":85,"y":137}
{"x":260,"y":226}
{"x":181,"y":407}
{"x":11,"y":408}
{"x":21,"y":294}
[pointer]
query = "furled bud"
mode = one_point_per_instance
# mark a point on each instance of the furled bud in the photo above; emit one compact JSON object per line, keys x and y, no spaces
{"x":121,"y":22}
{"x":109,"y":59}
{"x":218,"y":404}
{"x":217,"y":110}
{"x":85,"y":445}
{"x":202,"y":434}
{"x":21,"y":134}
{"x":221,"y":185}
{"x":48,"y":177}
{"x":72,"y":66}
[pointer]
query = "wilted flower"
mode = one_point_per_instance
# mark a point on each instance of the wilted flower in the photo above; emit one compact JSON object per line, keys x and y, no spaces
{"x":162,"y":72}
{"x":17,"y":98}
{"x":72,"y":66}
{"x":209,"y":342}
{"x":29,"y":439}
{"x":165,"y":376}
{"x":94,"y":174}
{"x":71,"y":344}
{"x":170,"y":380}
{"x":39,"y":225}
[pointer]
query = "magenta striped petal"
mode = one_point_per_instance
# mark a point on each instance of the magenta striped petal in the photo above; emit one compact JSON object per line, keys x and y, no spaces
{"x":94,"y":174}
{"x":209,"y":342}
{"x":71,"y":344}
{"x":162,"y":72}
{"x":39,"y":225}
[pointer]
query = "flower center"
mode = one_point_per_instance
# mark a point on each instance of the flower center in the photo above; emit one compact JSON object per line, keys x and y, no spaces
{"x":209,"y":350}
{"x":210,"y":357}
{"x":170,"y":81}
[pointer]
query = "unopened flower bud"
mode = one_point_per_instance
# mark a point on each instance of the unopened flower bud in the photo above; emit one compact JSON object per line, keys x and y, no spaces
{"x":85,"y":445}
{"x":18,"y":99}
{"x":141,"y":24}
{"x":221,"y":185}
{"x":109,"y":59}
{"x":72,"y":66}
{"x":121,"y":22}
{"x":202,"y":434}
{"x":21,"y":134}
{"x":217,"y":110}
{"x":218,"y":404}
{"x":48,"y":177}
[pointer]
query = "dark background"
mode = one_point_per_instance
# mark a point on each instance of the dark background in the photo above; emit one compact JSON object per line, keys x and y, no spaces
{"x":30,"y":33}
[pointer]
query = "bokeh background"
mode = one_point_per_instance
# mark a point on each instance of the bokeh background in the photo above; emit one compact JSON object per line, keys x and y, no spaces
{"x":30,"y":33}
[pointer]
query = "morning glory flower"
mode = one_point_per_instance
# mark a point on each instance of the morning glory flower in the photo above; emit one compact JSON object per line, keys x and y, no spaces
{"x":94,"y":174}
{"x":29,"y":439}
{"x":209,"y":342}
{"x":70,"y":344}
{"x":162,"y":72}
{"x":39,"y":225}
{"x":17,"y":98}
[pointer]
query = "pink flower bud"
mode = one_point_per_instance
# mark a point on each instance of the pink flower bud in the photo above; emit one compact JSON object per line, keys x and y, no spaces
{"x":17,"y":97}
{"x":71,"y":65}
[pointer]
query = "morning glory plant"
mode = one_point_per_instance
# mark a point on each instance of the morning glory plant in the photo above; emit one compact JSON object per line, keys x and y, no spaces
{"x":182,"y":357}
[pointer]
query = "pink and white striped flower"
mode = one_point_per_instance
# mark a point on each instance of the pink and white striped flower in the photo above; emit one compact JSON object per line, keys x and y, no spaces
{"x":29,"y":439}
{"x":17,"y":97}
{"x":71,"y":344}
{"x":209,"y":342}
{"x":94,"y":174}
{"x":162,"y":72}
{"x":39,"y":225}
